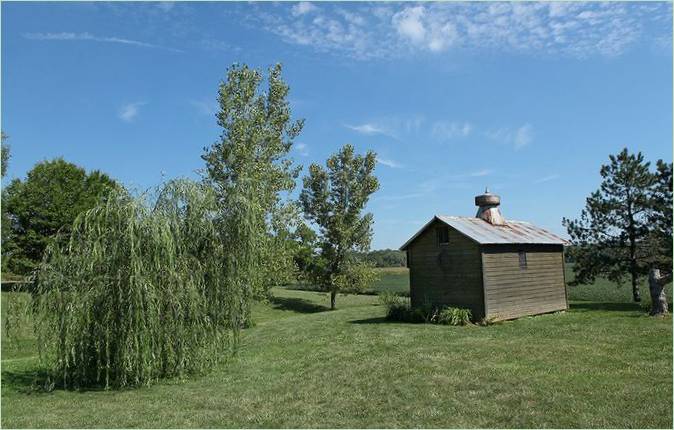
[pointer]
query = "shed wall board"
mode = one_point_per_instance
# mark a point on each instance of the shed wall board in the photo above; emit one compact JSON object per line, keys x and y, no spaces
{"x":512,"y":292}
{"x":448,"y":274}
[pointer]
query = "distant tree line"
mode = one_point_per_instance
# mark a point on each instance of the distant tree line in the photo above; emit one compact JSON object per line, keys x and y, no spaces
{"x":384,"y":258}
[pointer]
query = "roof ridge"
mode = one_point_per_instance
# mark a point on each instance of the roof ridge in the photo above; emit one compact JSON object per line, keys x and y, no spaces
{"x":512,"y":232}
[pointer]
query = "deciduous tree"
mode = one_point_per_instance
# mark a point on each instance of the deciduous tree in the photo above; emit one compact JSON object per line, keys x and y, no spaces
{"x":249,"y":170}
{"x":334,"y":199}
{"x":49,"y":199}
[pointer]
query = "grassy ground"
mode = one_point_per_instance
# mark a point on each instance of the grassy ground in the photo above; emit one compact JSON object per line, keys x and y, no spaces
{"x":602,"y":364}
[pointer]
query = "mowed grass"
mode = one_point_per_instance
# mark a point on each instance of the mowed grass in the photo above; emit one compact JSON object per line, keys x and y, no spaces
{"x":602,"y":364}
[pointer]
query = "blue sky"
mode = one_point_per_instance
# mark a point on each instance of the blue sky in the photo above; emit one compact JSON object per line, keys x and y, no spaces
{"x":528,"y":99}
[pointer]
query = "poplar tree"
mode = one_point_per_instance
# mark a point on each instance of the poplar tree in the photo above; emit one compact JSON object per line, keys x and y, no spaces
{"x":249,"y":169}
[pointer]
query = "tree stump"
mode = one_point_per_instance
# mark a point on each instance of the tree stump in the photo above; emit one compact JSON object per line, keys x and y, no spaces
{"x":656,"y":285}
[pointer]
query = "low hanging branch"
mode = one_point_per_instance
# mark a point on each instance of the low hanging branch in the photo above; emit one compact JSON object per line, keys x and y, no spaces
{"x":137,"y":293}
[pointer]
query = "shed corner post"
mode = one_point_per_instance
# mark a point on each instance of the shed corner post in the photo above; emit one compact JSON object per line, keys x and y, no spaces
{"x":566,"y":288}
{"x":484,"y":282}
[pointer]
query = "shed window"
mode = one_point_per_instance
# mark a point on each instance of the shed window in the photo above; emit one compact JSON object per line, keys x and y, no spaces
{"x":523,"y":260}
{"x":443,"y":235}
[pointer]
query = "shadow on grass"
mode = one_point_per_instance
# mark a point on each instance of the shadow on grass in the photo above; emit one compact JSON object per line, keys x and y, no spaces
{"x":602,"y":306}
{"x":27,"y":381}
{"x":297,"y":305}
{"x":379,"y":320}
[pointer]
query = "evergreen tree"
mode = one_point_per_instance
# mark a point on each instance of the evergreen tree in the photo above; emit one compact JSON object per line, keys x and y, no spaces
{"x":610,"y":237}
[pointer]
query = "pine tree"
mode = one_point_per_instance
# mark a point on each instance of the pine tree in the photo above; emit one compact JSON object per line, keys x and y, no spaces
{"x":612,"y":231}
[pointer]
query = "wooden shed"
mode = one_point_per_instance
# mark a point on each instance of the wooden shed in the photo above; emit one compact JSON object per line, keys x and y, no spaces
{"x":499,"y":269}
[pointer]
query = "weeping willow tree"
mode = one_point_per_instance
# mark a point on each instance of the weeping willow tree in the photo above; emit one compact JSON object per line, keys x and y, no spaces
{"x":137,"y":291}
{"x":249,"y":171}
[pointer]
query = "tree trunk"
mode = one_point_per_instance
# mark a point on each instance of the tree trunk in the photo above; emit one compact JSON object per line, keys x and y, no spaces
{"x":636,"y":295}
{"x":656,"y":284}
{"x":635,"y":287}
{"x":333,"y":295}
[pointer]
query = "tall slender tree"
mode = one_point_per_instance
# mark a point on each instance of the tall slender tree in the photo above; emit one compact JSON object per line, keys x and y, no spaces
{"x":249,"y":170}
{"x":4,"y":153}
{"x":5,"y":233}
{"x":612,"y":231}
{"x":334,"y":199}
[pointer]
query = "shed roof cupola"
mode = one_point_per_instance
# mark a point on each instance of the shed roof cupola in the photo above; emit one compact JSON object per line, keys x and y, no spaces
{"x":488,"y":204}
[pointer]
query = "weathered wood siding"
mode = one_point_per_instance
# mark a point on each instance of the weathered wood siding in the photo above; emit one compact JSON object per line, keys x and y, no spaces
{"x":512,"y":292}
{"x":448,"y":274}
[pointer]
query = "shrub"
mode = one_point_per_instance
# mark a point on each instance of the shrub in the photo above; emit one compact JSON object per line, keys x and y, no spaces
{"x":137,"y":291}
{"x":399,"y":309}
{"x":453,"y":316}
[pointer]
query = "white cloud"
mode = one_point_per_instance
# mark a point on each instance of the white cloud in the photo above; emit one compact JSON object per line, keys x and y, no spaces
{"x":546,"y":179}
{"x":480,"y":173}
{"x":303,"y":7}
{"x":301,"y":149}
{"x":66,"y":36}
{"x":368,"y":129}
{"x":408,"y":23}
{"x":394,"y":30}
{"x":165,"y":6}
{"x":129,"y":112}
{"x":518,"y":138}
{"x":389,"y":163}
{"x":523,"y":136}
{"x":444,"y":130}
{"x":204,"y":107}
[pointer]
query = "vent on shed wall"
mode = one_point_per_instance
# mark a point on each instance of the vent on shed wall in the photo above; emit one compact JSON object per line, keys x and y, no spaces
{"x":488,"y":204}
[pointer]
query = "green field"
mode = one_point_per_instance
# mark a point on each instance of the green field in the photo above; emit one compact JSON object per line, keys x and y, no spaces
{"x":396,"y":279}
{"x":602,"y":364}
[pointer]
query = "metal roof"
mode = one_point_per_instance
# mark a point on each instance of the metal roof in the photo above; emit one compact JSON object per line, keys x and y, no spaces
{"x":484,"y":233}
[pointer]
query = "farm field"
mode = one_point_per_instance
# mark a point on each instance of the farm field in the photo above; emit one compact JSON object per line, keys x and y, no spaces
{"x":602,"y":364}
{"x":396,"y":280}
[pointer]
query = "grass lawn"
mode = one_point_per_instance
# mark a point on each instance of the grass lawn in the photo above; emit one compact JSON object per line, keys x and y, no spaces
{"x":602,"y":364}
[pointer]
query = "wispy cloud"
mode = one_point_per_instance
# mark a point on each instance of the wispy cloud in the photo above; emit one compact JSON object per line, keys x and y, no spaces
{"x":395,"y":127}
{"x":389,"y":163}
{"x":518,"y":137}
{"x":66,"y":36}
{"x":444,"y":130}
{"x":302,"y":8}
{"x":546,"y":179}
{"x":165,"y":6}
{"x":523,"y":136}
{"x":130,"y":111}
{"x":368,"y":129}
{"x":393,"y":30}
{"x":479,"y":173}
{"x":205,"y":107}
{"x":301,"y":149}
